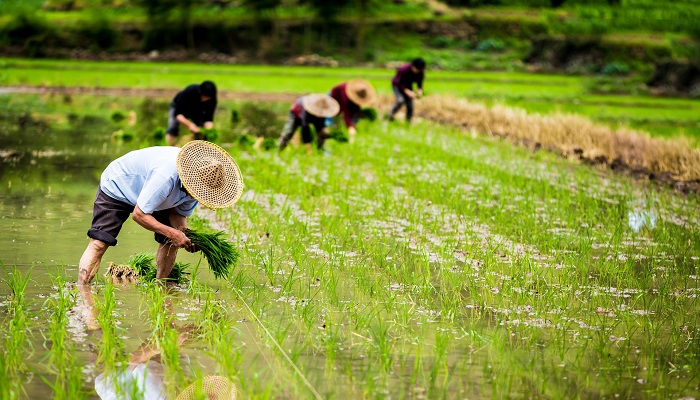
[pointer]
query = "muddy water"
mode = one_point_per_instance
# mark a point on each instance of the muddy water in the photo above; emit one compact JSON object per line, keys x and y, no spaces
{"x":48,"y":182}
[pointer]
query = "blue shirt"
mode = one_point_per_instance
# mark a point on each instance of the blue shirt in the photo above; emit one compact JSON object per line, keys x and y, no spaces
{"x":148,"y":178}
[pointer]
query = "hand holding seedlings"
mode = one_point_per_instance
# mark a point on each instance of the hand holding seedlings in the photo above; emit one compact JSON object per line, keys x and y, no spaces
{"x":161,"y":187}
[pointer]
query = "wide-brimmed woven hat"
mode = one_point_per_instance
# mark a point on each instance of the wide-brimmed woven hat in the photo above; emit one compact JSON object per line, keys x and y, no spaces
{"x":209,"y":174}
{"x":320,"y":105}
{"x":361,"y":92}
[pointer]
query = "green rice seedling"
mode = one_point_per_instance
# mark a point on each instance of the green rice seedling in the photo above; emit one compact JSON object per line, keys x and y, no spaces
{"x":118,"y":117}
{"x":62,"y":360}
{"x":339,"y":135}
{"x":158,"y":135}
{"x":16,"y":347}
{"x":235,"y":117}
{"x":246,"y":141}
{"x":220,"y":253}
{"x":123,"y":136}
{"x":142,"y":266}
{"x":269,"y":144}
{"x":210,"y":134}
{"x":111,"y":349}
{"x":369,"y":113}
{"x":179,"y":273}
{"x":439,"y":360}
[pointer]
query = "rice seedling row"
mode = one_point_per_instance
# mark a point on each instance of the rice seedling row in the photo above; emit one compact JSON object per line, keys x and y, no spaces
{"x":504,"y":272}
{"x":418,"y":262}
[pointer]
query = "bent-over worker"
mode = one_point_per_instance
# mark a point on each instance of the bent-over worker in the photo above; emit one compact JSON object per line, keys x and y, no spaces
{"x":160,"y":187}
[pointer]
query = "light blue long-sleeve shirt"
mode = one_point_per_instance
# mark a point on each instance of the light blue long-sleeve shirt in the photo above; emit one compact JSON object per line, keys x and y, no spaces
{"x":148,"y":178}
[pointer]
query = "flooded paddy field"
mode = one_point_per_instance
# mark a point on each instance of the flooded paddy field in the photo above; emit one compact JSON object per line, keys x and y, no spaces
{"x":416,"y":263}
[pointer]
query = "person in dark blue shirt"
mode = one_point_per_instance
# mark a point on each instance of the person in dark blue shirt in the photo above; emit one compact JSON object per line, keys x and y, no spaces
{"x":193,"y":107}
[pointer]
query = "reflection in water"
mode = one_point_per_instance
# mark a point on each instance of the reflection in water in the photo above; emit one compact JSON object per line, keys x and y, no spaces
{"x":143,"y":377}
{"x":48,"y":175}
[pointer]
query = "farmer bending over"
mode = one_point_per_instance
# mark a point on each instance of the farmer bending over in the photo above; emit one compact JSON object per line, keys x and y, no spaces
{"x":160,"y":186}
{"x":352,"y":96}
{"x":403,"y":81}
{"x":312,"y":109}
{"x":193,"y":107}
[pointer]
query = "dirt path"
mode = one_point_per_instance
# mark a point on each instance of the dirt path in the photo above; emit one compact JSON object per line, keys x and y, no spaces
{"x":138,"y":92}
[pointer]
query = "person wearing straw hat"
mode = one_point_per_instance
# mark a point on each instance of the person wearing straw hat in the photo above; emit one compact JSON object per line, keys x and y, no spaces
{"x":193,"y":107}
{"x":306,"y":111}
{"x":160,"y":187}
{"x":402,"y":84}
{"x":352,"y":96}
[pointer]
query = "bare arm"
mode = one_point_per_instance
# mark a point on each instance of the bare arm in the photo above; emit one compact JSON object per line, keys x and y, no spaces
{"x":208,"y":124}
{"x":176,"y":236}
{"x":189,"y":124}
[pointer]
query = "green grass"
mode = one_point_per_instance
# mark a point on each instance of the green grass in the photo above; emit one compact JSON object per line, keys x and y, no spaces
{"x":534,"y":92}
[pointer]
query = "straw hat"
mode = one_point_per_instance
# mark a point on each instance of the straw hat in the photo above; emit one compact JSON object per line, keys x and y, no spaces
{"x":320,"y":105}
{"x":360,"y":92}
{"x":209,"y":174}
{"x":215,"y":388}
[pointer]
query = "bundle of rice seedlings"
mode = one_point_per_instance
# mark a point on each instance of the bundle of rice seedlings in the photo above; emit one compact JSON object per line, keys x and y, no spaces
{"x":235,"y":117}
{"x":144,"y":265}
{"x":158,"y":135}
{"x":141,"y":267}
{"x":179,"y":273}
{"x":220,"y":253}
{"x":339,"y":135}
{"x":246,"y":140}
{"x":121,"y":274}
{"x":269,"y":144}
{"x":118,"y":117}
{"x":369,"y":113}
{"x":122,"y":135}
{"x":210,"y":134}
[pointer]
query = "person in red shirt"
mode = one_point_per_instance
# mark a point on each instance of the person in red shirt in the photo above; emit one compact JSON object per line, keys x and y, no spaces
{"x":403,"y":81}
{"x":312,"y":109}
{"x":352,"y":96}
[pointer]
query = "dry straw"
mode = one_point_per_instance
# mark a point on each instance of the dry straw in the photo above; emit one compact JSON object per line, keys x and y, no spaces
{"x":570,"y":136}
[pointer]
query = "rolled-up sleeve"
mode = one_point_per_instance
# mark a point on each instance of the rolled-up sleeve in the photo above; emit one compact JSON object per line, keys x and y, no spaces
{"x":187,"y":208}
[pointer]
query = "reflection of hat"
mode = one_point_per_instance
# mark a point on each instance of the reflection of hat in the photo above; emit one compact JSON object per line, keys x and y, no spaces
{"x":214,"y":387}
{"x":360,"y":92}
{"x":209,"y":174}
{"x":320,"y":105}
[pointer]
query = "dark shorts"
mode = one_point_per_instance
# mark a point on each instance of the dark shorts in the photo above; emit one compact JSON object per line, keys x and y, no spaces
{"x":108,"y":216}
{"x":173,"y":125}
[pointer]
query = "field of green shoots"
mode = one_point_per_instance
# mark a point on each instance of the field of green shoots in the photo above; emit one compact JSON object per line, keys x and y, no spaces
{"x":418,"y":262}
{"x":541,"y":93}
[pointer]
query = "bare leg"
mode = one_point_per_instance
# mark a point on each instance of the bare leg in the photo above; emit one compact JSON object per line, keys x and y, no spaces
{"x":88,"y":310}
{"x":90,"y":261}
{"x":165,"y":259}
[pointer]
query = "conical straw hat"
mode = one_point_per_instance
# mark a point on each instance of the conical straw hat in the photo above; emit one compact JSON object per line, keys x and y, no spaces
{"x":320,"y":105}
{"x":361,"y":92}
{"x":209,"y":174}
{"x":215,"y":387}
